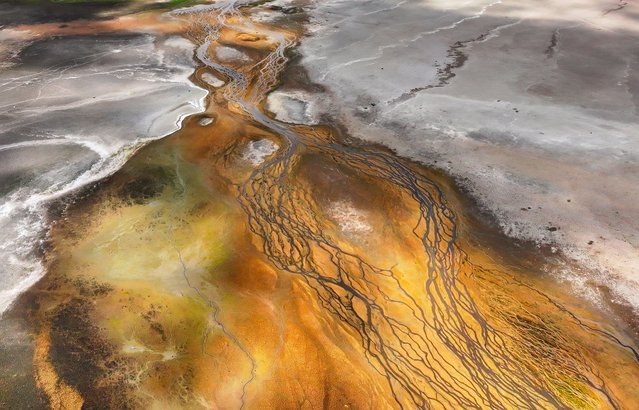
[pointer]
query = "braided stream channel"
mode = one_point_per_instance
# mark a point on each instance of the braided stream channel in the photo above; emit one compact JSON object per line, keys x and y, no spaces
{"x":244,"y":262}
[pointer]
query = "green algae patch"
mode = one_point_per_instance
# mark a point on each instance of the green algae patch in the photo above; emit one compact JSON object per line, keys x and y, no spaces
{"x":575,"y":395}
{"x":173,"y":231}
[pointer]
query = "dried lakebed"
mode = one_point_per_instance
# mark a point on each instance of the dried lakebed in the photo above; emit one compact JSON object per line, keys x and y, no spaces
{"x":246,"y":262}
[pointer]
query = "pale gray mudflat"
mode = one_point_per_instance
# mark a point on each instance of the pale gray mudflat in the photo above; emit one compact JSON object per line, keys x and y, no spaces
{"x":531,"y":104}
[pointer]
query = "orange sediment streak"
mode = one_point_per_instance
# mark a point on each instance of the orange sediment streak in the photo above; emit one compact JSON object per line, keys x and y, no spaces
{"x":60,"y":395}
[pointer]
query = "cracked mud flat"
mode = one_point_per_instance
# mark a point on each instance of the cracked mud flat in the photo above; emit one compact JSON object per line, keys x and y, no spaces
{"x":249,"y":262}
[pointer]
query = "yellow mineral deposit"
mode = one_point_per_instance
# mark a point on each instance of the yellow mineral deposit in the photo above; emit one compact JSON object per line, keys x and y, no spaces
{"x":312,"y":274}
